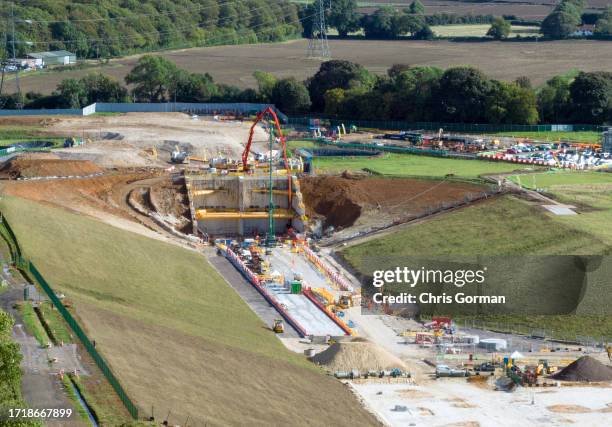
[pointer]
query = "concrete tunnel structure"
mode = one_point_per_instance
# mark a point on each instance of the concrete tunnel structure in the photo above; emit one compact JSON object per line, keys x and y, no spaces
{"x":237,"y":205}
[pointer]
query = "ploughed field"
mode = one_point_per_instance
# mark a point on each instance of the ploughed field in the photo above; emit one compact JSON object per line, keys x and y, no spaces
{"x":235,"y":64}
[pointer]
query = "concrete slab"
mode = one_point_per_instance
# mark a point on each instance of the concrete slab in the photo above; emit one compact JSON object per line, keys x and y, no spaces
{"x":308,"y":315}
{"x":287,"y":263}
{"x":560,"y":209}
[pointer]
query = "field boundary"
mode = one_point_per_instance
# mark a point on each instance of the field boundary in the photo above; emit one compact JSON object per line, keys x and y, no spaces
{"x":435,"y":126}
{"x":160,"y":107}
{"x":30,"y":270}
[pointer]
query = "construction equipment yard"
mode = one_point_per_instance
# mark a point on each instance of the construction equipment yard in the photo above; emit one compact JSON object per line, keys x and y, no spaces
{"x":244,"y":262}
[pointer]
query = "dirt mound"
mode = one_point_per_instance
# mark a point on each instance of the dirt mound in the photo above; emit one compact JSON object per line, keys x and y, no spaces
{"x":342,"y":200}
{"x":360,"y":355}
{"x":24,"y":167}
{"x":585,"y":369}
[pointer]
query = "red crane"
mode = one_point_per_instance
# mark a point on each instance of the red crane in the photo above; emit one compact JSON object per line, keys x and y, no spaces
{"x":245,"y":154}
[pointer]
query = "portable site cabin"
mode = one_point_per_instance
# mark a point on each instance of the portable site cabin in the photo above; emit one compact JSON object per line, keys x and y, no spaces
{"x":55,"y":57}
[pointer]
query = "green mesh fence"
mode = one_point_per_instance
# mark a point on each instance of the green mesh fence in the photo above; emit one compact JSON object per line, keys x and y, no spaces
{"x":30,"y":268}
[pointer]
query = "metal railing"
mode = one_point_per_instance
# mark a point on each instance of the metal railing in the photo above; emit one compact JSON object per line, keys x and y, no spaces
{"x":30,"y":269}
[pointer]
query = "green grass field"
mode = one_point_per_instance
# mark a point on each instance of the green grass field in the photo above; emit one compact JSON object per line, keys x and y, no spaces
{"x":505,"y":226}
{"x":415,"y":165}
{"x":177,"y":336}
{"x":479,"y":30}
{"x":590,"y":191}
{"x":557,"y":178}
{"x":553,"y":136}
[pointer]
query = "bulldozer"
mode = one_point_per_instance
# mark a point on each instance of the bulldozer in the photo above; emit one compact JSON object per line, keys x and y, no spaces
{"x":279,"y":326}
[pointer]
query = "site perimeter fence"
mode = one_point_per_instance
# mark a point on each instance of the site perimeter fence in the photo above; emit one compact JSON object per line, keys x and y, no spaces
{"x":435,"y":126}
{"x":29,"y":268}
{"x":549,"y":334}
{"x":205,"y":108}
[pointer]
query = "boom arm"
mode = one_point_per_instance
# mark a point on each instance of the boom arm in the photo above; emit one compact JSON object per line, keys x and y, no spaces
{"x":247,"y":149}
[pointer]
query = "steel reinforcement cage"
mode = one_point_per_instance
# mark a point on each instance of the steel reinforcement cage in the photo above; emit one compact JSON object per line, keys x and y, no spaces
{"x":29,"y":268}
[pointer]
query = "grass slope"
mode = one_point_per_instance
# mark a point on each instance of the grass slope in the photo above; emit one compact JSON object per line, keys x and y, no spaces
{"x":413,"y":165}
{"x":178,"y":337}
{"x":506,"y":226}
{"x":585,"y":137}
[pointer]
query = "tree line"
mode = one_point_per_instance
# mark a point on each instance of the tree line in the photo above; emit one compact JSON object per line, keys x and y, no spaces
{"x":347,"y":90}
{"x":108,"y":28}
{"x":566,"y":18}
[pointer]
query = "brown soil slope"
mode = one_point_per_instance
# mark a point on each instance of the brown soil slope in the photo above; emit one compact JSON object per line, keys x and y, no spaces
{"x":342,"y":200}
{"x":24,"y":167}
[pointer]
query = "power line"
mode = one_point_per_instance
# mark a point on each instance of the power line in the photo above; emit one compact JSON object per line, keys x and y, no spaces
{"x":318,"y":47}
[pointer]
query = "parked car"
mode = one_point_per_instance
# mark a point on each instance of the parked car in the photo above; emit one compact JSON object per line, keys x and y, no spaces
{"x":485,"y":367}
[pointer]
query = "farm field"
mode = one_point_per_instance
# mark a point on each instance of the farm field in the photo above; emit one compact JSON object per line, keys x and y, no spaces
{"x":480,"y":30}
{"x":236,"y":64}
{"x":176,"y":335}
{"x":414,"y":165}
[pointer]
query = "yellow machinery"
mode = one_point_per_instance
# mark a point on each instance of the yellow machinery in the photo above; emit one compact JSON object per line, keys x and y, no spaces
{"x":345,"y":301}
{"x":279,"y":326}
{"x":325,"y":294}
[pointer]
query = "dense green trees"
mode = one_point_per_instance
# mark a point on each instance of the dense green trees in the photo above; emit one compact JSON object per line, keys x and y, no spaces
{"x":76,"y":93}
{"x":344,"y":17}
{"x":603,"y":26}
{"x":564,"y":19}
{"x":10,"y":374}
{"x":337,"y":74}
{"x":591,"y":97}
{"x":388,"y":22}
{"x":291,"y":96}
{"x":98,"y":29}
{"x":500,"y":28}
{"x":345,"y":89}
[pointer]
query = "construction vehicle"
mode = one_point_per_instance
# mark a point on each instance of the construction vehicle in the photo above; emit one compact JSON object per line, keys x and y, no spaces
{"x":178,"y":156}
{"x":345,"y":301}
{"x":279,"y":326}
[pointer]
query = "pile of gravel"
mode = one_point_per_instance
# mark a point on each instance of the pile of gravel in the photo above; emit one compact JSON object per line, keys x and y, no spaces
{"x":585,"y":369}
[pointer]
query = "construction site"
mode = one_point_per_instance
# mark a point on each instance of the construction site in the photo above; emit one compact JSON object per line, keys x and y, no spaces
{"x":271,"y":223}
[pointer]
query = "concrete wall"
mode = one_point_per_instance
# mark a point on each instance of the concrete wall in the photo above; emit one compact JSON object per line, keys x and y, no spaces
{"x":237,"y":193}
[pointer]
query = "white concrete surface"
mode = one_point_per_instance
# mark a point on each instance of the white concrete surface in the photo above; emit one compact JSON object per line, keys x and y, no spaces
{"x":308,"y":315}
{"x":287,"y":263}
{"x":450,"y":401}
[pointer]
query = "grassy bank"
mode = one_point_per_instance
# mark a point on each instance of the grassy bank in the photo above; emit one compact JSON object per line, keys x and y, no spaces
{"x":32,"y":323}
{"x":552,"y":136}
{"x":177,"y":336}
{"x":413,"y":165}
{"x":497,"y":231}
